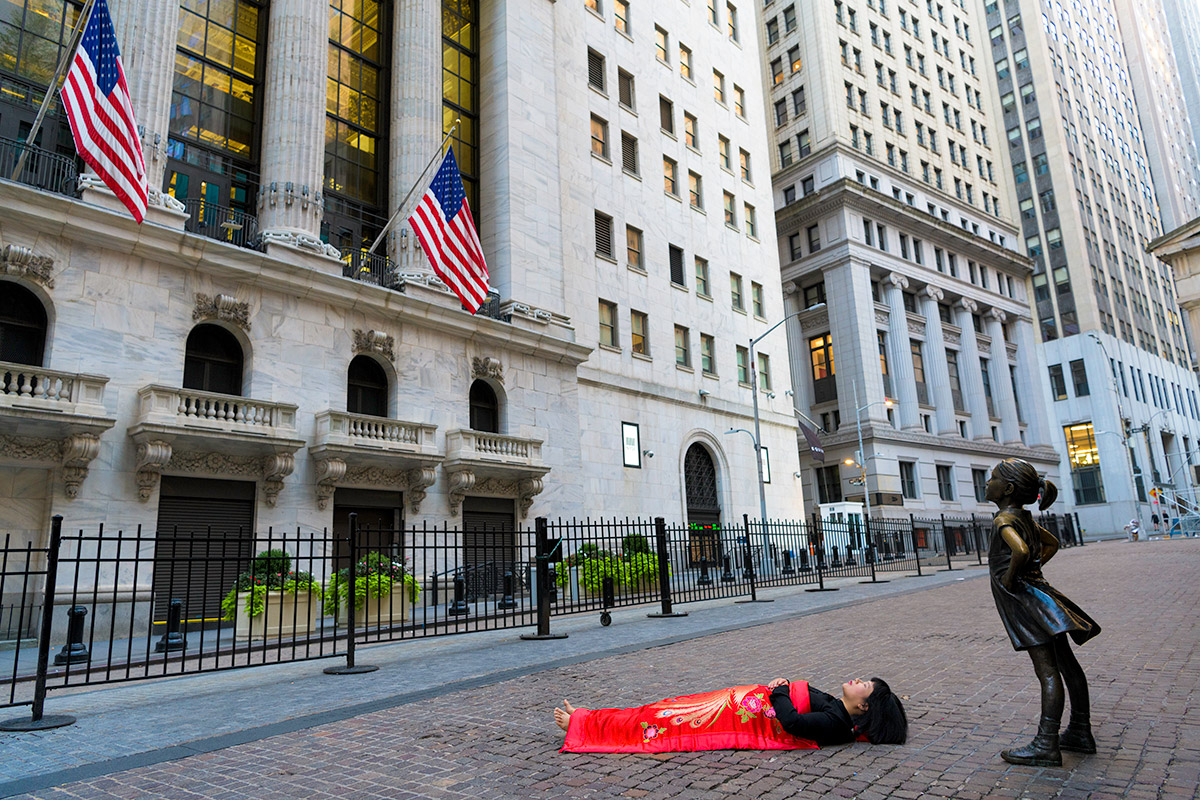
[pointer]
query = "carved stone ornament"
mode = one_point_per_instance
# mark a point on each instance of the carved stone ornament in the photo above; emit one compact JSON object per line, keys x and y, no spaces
{"x":461,"y":482}
{"x":78,"y":450}
{"x":951,"y":337}
{"x":28,"y":448}
{"x":881,"y":317}
{"x":156,"y":457}
{"x":275,"y":469}
{"x":301,"y":241}
{"x":916,"y":327}
{"x":522,"y":489}
{"x":222,"y":307}
{"x":896,"y":279}
{"x":375,"y":342}
{"x":998,"y":315}
{"x":334,"y":472}
{"x":329,"y":472}
{"x":819,"y":319}
{"x":24,"y":263}
{"x":934,"y":292}
{"x":985,"y":345}
{"x":487,"y":367}
{"x":152,"y":457}
{"x":969,"y":305}
{"x":166,"y":201}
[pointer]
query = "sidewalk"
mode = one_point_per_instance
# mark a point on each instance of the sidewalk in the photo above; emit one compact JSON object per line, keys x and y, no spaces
{"x":469,"y":716}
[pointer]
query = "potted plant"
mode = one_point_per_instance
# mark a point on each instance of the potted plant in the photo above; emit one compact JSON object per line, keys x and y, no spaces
{"x":270,"y":599}
{"x":384,"y":591}
{"x":634,"y":570}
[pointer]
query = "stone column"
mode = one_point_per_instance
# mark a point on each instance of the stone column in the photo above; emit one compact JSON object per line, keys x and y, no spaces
{"x":969,"y":374}
{"x":900,"y":352}
{"x":855,"y":346}
{"x":1029,"y":377}
{"x":416,"y":117}
{"x":146,"y":32}
{"x":798,"y":351}
{"x":291,"y":204}
{"x":937,"y":369}
{"x":1006,"y":401}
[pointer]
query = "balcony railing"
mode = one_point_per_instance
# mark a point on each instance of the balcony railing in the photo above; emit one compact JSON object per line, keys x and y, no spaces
{"x":222,"y":223}
{"x":194,"y":408}
{"x":32,"y":387}
{"x":42,"y":169}
{"x":368,"y":267}
{"x":340,"y":427}
{"x":479,"y":445}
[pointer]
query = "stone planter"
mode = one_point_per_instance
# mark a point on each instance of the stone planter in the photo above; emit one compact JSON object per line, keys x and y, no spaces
{"x":380,"y":612}
{"x":284,"y":614}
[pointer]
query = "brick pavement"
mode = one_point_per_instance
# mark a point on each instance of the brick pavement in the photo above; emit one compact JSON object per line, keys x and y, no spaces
{"x":969,"y":696}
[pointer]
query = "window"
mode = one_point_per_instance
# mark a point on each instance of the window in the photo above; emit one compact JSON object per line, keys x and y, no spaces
{"x":212,"y":362}
{"x":829,"y":484}
{"x":695,"y":191}
{"x":712,"y":12}
{"x":660,"y":44}
{"x":23,"y":329}
{"x":599,"y":137}
{"x":918,"y":362}
{"x":781,"y":113}
{"x":776,"y":71}
{"x":814,"y":295}
{"x":744,"y":160}
{"x":979,"y":481}
{"x":772,"y":30}
{"x":820,"y":350}
{"x":608,"y":324}
{"x":702,"y":287}
{"x":764,"y":372}
{"x":735,"y":291}
{"x":789,"y":19}
{"x":666,"y":115}
{"x":683,"y":356}
{"x":908,"y":480}
{"x":799,"y":102}
{"x":1084,"y":458}
{"x":723,"y":153}
{"x":814,"y":238}
{"x":1079,"y":378}
{"x":685,"y":62}
{"x":629,"y":154}
{"x":945,"y":479}
{"x":743,"y":366}
{"x":708,"y":361}
{"x":756,"y":300}
{"x":675,"y":256}
{"x":730,"y":210}
{"x":794,"y":58}
{"x":751,"y":217}
{"x":690,"y":131}
{"x":719,"y":87}
{"x":785,"y":154}
{"x":670,"y":177}
{"x":621,"y":15}
{"x":596,"y":70}
{"x":739,"y":101}
{"x":366,"y":387}
{"x":484,"y":408}
{"x":1058,"y":386}
{"x":625,"y":89}
{"x":604,"y":235}
{"x":804,"y":142}
{"x":733,"y":21}
{"x":639,"y":328}
{"x":633,"y":247}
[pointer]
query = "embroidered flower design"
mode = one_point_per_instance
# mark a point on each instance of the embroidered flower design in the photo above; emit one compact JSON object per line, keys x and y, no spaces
{"x":769,"y":713}
{"x":752,"y":703}
{"x":650,"y":732}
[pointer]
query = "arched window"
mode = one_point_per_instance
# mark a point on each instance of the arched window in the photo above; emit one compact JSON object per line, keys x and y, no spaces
{"x":485,"y":408}
{"x":213,"y":362}
{"x":367,"y":388}
{"x":22,"y":325}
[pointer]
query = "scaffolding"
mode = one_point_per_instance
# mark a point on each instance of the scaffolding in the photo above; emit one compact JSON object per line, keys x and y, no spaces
{"x":1183,"y":511}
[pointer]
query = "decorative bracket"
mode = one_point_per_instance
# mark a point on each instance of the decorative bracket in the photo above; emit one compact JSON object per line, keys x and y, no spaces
{"x":224,"y":308}
{"x":461,"y":482}
{"x":527,"y":488}
{"x":329,"y":472}
{"x":78,"y":451}
{"x":418,"y":480}
{"x":275,"y":469}
{"x":152,"y":457}
{"x":375,"y":342}
{"x":23,"y":262}
{"x":487,"y":367}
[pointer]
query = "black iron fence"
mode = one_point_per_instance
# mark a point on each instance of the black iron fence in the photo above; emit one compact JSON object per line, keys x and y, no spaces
{"x":130,"y":605}
{"x":42,"y":169}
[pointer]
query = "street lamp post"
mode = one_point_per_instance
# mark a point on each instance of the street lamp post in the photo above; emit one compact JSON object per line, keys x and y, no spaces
{"x":861,"y":460}
{"x":1133,"y":471}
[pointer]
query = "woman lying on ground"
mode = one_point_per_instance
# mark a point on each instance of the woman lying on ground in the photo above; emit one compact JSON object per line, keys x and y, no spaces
{"x":780,"y":715}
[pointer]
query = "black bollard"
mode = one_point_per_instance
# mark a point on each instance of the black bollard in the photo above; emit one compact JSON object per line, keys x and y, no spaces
{"x":836,"y":561}
{"x":727,"y":572}
{"x":705,"y":579}
{"x":788,"y":569}
{"x":850,"y":560}
{"x":508,"y":601}
{"x":74,"y":651}
{"x":804,"y":567}
{"x":459,"y":606}
{"x":172,"y":639}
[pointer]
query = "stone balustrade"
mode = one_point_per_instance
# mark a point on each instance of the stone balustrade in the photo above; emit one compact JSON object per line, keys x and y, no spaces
{"x":340,"y":427}
{"x":478,"y":445}
{"x":194,"y":408}
{"x":31,"y":387}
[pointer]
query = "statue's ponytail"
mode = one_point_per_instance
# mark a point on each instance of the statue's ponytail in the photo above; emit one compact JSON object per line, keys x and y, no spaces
{"x":1049,"y":493}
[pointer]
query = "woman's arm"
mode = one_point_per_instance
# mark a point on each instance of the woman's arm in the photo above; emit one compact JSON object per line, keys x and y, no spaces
{"x":1020,"y":554}
{"x":1049,"y":543}
{"x":817,"y":726}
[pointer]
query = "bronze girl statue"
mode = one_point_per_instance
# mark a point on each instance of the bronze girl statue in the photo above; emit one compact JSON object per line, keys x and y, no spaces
{"x":1037,"y":616}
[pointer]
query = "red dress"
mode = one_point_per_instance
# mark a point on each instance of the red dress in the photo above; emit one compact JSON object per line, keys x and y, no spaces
{"x":736,"y":718}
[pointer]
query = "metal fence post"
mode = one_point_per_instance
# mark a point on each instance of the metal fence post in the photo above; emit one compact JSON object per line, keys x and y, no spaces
{"x":39,"y":721}
{"x":749,"y":565}
{"x":912,"y":533}
{"x":542,"y":557}
{"x":350,"y":668}
{"x":1078,"y":529}
{"x":946,"y":542}
{"x":978,"y":540}
{"x":664,"y":571}
{"x":819,"y":555}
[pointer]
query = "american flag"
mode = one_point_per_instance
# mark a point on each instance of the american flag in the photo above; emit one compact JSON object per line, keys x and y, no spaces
{"x":443,"y":223}
{"x":96,"y":99}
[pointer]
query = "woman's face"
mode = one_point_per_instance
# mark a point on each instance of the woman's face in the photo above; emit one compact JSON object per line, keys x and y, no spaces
{"x":857,"y":691}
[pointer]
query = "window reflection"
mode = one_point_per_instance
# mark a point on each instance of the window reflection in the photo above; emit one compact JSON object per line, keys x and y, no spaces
{"x":353,"y":94}
{"x":460,"y":90}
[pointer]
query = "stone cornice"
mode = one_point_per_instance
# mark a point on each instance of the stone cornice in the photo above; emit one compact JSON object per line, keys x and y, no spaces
{"x":55,"y":216}
{"x":980,"y":447}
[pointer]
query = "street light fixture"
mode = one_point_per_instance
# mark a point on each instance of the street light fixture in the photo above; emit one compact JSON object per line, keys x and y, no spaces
{"x":862,"y":461}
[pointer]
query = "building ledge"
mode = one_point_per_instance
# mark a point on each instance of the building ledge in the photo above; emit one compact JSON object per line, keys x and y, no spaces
{"x":493,"y":463}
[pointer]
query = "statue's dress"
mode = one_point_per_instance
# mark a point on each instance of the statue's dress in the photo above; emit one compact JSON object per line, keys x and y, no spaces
{"x":1033,"y":612}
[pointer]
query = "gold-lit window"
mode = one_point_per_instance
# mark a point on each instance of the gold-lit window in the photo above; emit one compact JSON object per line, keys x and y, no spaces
{"x":460,"y":91}
{"x":354,"y":100}
{"x":33,"y":34}
{"x":1081,"y":445}
{"x":215,"y":97}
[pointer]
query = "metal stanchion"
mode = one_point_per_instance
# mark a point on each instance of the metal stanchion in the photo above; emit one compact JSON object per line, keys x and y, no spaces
{"x":350,"y":668}
{"x":664,"y":571}
{"x":542,"y":557}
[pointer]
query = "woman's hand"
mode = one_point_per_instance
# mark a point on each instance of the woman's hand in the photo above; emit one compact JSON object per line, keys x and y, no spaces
{"x":777,"y":682}
{"x":1009,"y":581}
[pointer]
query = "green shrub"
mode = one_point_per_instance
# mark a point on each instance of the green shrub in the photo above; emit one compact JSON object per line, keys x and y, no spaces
{"x":633,"y":571}
{"x":634,"y":543}
{"x":375,"y":575}
{"x":270,"y":571}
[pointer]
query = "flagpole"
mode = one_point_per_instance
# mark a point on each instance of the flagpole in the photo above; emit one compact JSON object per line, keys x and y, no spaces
{"x":67,"y":57}
{"x":407,"y":197}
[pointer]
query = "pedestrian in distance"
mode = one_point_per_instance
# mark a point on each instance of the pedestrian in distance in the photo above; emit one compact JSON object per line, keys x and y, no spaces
{"x":1037,"y":617}
{"x":780,"y":715}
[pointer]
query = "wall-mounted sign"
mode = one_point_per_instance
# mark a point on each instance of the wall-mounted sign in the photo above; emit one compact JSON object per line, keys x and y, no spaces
{"x":631,"y":444}
{"x":766,"y":464}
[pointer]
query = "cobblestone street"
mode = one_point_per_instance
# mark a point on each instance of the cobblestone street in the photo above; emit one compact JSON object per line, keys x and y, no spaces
{"x":968,"y":696}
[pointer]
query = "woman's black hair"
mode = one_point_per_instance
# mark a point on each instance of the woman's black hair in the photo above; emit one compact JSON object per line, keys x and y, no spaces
{"x":1027,"y":486}
{"x":884,"y":721}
